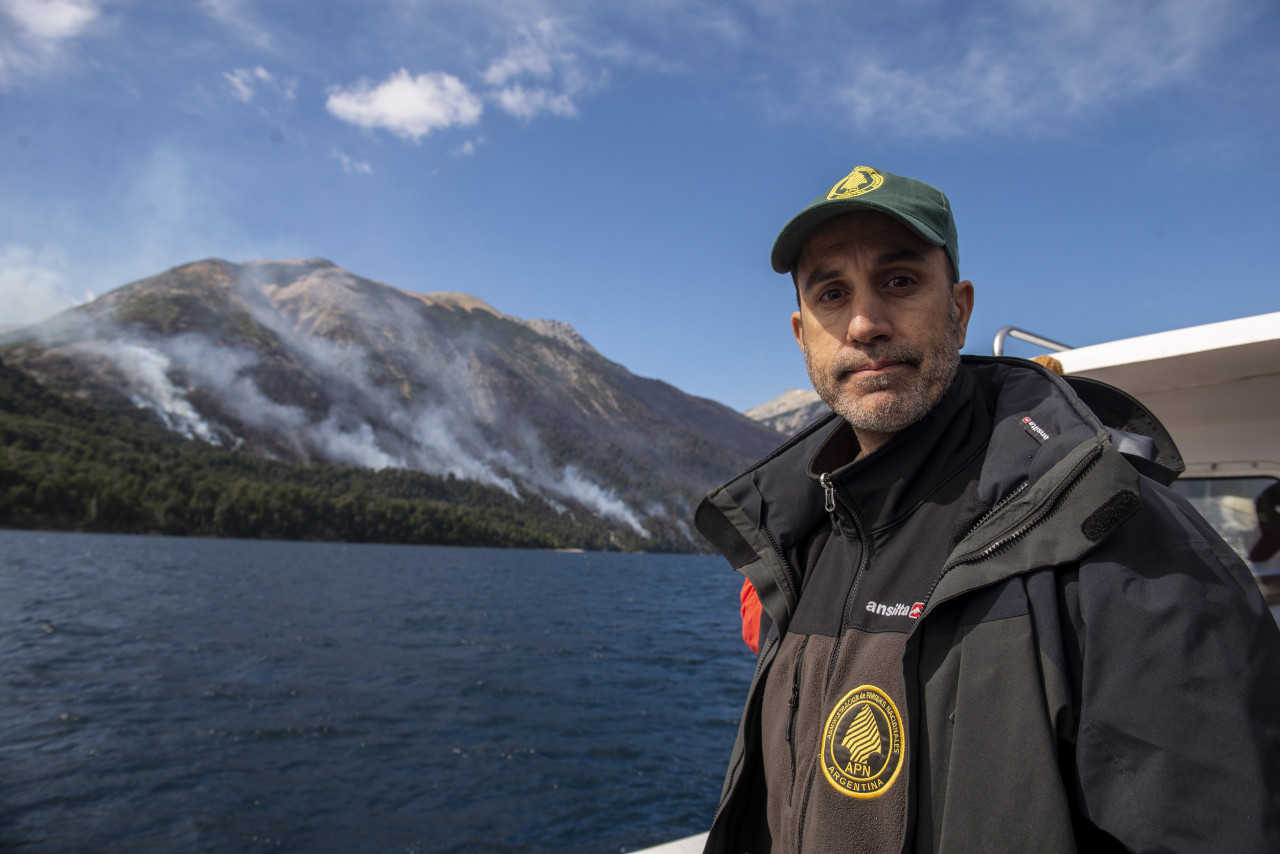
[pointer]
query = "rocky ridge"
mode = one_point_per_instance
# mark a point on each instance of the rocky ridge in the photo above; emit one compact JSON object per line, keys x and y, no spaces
{"x":303,"y":361}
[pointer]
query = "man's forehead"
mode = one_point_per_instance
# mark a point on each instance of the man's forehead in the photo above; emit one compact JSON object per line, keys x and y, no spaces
{"x":867,"y":229}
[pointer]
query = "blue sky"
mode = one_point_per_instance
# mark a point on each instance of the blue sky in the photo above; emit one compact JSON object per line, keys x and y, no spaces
{"x":625,"y":167}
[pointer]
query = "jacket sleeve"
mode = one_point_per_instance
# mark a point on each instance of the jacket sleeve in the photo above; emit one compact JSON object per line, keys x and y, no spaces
{"x":1178,"y":673}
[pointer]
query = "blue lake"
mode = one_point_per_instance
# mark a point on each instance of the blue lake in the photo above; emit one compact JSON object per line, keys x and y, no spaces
{"x":220,"y":695}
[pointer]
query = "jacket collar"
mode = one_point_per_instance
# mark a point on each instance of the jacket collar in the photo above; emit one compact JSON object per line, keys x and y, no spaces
{"x":779,"y":492}
{"x":758,"y":516}
{"x":886,"y":485}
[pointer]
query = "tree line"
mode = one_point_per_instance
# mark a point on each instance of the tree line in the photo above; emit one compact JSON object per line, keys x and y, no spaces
{"x":107,"y":466}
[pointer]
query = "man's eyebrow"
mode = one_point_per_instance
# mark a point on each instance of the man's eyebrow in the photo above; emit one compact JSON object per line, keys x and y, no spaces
{"x":897,"y":256}
{"x":819,"y":277}
{"x":893,"y":256}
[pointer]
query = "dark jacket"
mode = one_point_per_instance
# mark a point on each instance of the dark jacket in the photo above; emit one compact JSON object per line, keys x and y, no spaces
{"x":1093,"y":668}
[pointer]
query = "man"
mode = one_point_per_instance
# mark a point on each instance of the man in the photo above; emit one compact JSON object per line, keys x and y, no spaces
{"x":984,"y":629}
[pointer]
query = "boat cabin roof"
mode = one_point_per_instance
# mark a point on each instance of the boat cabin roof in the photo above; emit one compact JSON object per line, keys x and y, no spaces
{"x":1216,"y":389}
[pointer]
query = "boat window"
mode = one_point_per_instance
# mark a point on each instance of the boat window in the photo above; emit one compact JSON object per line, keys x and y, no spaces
{"x":1230,"y":505}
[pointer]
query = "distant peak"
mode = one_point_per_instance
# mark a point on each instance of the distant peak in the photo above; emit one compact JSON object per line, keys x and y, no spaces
{"x":231,"y":267}
{"x":790,"y":400}
{"x":555,"y":329}
{"x":562,"y":332}
{"x":454,"y":299}
{"x":309,"y":263}
{"x":220,"y":263}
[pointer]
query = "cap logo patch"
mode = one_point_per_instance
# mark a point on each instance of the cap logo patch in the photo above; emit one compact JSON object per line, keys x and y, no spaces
{"x":861,"y":180}
{"x":862,"y":747}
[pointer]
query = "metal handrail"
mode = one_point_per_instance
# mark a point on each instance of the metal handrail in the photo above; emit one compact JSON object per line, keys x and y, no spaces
{"x":997,"y":348}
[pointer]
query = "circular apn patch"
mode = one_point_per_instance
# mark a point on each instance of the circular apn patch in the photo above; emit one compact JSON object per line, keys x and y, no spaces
{"x":861,"y":180}
{"x":862,"y":743}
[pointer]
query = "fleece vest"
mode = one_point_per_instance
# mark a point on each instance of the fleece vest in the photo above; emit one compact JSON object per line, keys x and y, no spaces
{"x":834,"y":715}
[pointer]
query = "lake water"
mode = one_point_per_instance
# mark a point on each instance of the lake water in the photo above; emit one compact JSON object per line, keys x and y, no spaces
{"x":193,"y":695}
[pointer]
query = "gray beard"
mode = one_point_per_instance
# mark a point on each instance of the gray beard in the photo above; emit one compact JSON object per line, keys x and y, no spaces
{"x":921,"y":391}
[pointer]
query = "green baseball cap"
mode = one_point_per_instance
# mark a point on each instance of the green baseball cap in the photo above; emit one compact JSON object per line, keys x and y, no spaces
{"x":921,"y":208}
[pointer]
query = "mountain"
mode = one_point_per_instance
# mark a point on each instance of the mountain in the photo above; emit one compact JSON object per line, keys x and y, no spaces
{"x":304,"y":362}
{"x":789,"y":411}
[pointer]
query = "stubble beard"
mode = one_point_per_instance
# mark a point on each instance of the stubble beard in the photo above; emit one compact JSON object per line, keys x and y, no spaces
{"x":868,"y":403}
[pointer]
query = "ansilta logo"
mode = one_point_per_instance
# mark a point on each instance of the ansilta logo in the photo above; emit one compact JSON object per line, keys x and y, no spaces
{"x":898,"y":610}
{"x":862,"y":179}
{"x":1037,"y":432}
{"x":862,"y":749}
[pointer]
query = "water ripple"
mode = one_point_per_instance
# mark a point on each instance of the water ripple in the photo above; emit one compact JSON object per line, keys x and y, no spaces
{"x":224,"y":696}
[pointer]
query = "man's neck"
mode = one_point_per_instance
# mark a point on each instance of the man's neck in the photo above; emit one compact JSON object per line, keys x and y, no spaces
{"x":869,"y":443}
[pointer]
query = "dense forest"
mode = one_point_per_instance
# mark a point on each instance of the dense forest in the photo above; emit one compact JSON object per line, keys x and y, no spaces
{"x":105,"y":465}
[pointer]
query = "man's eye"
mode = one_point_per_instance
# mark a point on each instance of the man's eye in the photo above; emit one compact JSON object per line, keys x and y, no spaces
{"x":830,"y":294}
{"x":899,"y":282}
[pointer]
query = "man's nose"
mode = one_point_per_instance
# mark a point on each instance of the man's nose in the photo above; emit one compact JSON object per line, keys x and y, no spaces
{"x":869,"y":320}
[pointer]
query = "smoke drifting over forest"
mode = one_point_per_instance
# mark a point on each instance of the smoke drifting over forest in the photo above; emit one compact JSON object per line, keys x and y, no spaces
{"x":306,"y":362}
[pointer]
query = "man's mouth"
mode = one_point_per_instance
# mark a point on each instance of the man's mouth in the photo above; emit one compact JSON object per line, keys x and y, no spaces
{"x":883,"y":366}
{"x":876,"y":367}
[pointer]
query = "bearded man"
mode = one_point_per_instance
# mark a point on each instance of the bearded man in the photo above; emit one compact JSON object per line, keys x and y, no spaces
{"x":986,"y":624}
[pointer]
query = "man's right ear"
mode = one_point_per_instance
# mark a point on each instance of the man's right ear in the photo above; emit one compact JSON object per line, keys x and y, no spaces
{"x":797,"y":329}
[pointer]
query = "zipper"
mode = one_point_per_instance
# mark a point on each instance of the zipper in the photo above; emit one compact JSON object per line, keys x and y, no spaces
{"x":832,"y":496}
{"x":829,"y":504}
{"x":864,"y":560}
{"x":999,"y":505}
{"x":830,"y":489}
{"x":794,"y":706}
{"x":1042,"y":512}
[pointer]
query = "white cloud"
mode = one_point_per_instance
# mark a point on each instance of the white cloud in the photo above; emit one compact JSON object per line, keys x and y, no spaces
{"x":43,"y":27}
{"x":352,"y":166}
{"x":936,"y":68}
{"x":468,"y":148}
{"x":33,"y":284}
{"x":544,"y":52}
{"x":52,"y":19}
{"x":1029,"y":65}
{"x":246,"y":82}
{"x":533,"y":57}
{"x":410,"y":107}
{"x":529,"y":103}
{"x":235,"y":15}
{"x":544,"y":66}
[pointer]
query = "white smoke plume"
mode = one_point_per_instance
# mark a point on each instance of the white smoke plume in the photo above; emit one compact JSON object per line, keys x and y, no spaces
{"x":370,"y":421}
{"x":573,"y":484}
{"x":146,"y":372}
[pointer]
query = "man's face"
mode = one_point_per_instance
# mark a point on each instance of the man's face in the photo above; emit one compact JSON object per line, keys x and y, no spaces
{"x":879,"y":323}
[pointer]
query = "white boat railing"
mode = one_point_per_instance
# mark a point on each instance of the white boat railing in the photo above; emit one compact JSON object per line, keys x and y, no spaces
{"x":997,"y":348}
{"x":688,"y":845}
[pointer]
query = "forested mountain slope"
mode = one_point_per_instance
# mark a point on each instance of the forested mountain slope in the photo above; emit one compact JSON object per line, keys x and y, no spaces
{"x":304,"y":363}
